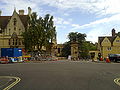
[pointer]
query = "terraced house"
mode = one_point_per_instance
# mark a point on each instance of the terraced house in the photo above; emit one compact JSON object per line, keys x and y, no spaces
{"x":109,"y":44}
{"x":11,"y":28}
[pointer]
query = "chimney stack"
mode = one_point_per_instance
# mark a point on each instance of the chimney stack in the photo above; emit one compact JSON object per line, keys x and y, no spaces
{"x":113,"y":32}
{"x":21,"y":12}
{"x":29,"y":11}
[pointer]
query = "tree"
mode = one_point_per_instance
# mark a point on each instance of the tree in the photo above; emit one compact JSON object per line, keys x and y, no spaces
{"x":41,"y":32}
{"x":83,"y":46}
{"x":75,"y":36}
{"x":118,"y":34}
{"x":66,"y":49}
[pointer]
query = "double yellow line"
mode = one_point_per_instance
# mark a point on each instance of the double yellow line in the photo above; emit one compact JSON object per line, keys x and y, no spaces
{"x":117,"y":81}
{"x":17,"y":79}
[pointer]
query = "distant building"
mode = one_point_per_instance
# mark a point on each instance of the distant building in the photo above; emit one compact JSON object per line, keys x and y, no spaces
{"x":109,"y":44}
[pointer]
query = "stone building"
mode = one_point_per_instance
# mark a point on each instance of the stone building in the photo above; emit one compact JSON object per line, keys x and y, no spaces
{"x":11,"y":28}
{"x":109,"y":44}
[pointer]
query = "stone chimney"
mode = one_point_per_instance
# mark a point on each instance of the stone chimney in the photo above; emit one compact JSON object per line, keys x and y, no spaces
{"x":29,"y":11}
{"x":21,"y":12}
{"x":0,"y":12}
{"x":113,"y":32}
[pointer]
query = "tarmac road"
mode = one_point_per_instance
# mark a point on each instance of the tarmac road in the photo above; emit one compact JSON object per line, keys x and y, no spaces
{"x":63,"y":75}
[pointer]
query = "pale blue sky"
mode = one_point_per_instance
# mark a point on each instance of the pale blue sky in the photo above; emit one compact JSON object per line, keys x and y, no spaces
{"x":92,"y":17}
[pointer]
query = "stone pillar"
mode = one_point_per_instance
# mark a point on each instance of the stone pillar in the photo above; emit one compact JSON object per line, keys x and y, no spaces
{"x":74,"y":50}
{"x":52,"y":49}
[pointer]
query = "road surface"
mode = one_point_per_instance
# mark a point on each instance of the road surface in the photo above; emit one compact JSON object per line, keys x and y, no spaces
{"x":63,"y":75}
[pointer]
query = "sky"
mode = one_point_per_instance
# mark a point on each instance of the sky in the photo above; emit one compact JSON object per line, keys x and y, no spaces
{"x":91,"y":17}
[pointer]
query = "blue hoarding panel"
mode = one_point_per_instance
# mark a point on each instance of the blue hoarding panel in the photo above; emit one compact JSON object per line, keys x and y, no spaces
{"x":17,"y":52}
{"x":11,"y":52}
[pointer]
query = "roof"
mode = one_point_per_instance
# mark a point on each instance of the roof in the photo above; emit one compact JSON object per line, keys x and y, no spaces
{"x":111,"y":39}
{"x":4,"y":20}
{"x":24,"y":19}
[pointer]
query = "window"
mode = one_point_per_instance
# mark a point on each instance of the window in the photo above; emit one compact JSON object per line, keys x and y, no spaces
{"x":9,"y":31}
{"x":117,"y":40}
{"x":9,"y":42}
{"x":14,"y":21}
{"x":19,"y":31}
{"x":15,"y":28}
{"x":13,"y":41}
{"x":16,"y":42}
{"x":106,"y":40}
{"x":109,"y":48}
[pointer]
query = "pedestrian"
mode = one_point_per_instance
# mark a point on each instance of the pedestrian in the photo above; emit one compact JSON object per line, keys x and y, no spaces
{"x":107,"y":60}
{"x":69,"y":57}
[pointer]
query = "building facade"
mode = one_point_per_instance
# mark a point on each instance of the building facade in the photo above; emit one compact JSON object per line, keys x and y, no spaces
{"x":11,"y":28}
{"x":109,"y":44}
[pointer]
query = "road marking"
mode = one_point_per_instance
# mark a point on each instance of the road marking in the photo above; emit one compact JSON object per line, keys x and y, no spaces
{"x":17,"y":79}
{"x":117,"y":81}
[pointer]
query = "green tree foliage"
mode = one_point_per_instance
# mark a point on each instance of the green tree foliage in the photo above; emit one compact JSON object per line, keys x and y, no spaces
{"x":118,"y":34}
{"x":66,"y":49}
{"x":41,"y":32}
{"x":75,"y":36}
{"x":83,"y":45}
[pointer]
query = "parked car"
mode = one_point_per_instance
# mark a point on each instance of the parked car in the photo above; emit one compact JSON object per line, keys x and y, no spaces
{"x":114,"y":57}
{"x":4,"y":60}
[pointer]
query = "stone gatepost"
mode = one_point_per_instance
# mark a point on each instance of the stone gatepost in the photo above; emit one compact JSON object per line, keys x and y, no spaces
{"x":74,"y":50}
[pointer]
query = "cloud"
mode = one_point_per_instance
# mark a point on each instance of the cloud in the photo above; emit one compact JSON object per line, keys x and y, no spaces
{"x":107,"y":20}
{"x":102,"y":7}
{"x":61,"y":21}
{"x":98,"y":7}
{"x":98,"y":28}
{"x":8,"y":6}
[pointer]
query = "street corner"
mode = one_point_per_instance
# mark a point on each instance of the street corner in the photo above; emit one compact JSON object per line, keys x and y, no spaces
{"x":7,"y":82}
{"x":117,"y":81}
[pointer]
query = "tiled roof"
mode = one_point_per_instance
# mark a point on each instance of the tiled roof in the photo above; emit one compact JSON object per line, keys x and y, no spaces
{"x":111,"y":39}
{"x":100,"y":39}
{"x":24,"y":19}
{"x":5,"y":19}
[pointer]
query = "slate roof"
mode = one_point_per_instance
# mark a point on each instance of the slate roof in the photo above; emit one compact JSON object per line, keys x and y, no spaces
{"x":4,"y":20}
{"x":24,"y":19}
{"x":111,"y":39}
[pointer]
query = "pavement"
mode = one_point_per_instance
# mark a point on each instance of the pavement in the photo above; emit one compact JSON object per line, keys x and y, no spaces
{"x":63,"y":75}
